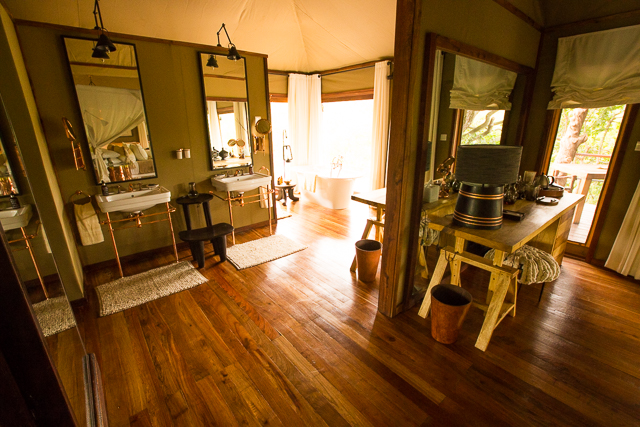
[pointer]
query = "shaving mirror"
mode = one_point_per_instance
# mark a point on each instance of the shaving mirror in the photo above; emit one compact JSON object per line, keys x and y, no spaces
{"x":111,"y":104}
{"x":224,"y":85}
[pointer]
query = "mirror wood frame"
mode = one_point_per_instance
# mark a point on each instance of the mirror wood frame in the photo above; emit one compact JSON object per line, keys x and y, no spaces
{"x":12,"y":173}
{"x":397,"y":217}
{"x":144,"y":109}
{"x":249,"y":143}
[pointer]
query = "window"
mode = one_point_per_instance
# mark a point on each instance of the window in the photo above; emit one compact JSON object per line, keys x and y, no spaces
{"x":580,"y":158}
{"x":482,"y":127}
{"x":346,"y":132}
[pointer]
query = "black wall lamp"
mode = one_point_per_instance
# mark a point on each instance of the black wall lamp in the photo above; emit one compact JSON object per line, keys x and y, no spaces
{"x":212,"y":62}
{"x":104,"y":44}
{"x":233,"y":52}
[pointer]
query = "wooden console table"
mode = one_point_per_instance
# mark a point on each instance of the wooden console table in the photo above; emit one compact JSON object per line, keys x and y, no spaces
{"x":544,"y":227}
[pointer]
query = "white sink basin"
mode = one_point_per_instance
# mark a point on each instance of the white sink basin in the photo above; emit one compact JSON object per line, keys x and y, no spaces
{"x":134,"y":201}
{"x":241,"y":182}
{"x":16,"y":218}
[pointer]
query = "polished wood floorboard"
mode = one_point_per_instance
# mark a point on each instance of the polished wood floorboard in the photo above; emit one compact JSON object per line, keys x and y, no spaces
{"x":299,"y":341}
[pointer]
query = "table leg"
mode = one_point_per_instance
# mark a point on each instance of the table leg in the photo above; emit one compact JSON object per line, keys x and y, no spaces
{"x":379,"y":211}
{"x":291,"y":196}
{"x":435,"y":280}
{"x":585,"y":183}
{"x":187,"y":216}
{"x":207,"y":213}
{"x":491,"y":318}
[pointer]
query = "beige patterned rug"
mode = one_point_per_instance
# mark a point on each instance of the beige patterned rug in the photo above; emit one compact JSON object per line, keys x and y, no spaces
{"x":132,"y":291}
{"x":263,"y":250}
{"x":54,"y":315}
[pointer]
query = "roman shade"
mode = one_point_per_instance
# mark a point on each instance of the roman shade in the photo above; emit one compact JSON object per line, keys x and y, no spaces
{"x":480,"y":86}
{"x":598,"y":69}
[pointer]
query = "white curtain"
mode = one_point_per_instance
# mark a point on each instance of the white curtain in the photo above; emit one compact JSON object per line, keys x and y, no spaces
{"x":435,"y":107}
{"x":625,"y":254}
{"x":305,"y":117}
{"x":109,"y":112}
{"x":214,"y":126}
{"x":598,"y":69}
{"x":380,"y":131}
{"x":480,"y":86}
{"x":240,"y":116}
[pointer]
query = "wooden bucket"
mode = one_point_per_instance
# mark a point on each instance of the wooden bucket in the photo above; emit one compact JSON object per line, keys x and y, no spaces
{"x":449,"y":306}
{"x":367,"y":258}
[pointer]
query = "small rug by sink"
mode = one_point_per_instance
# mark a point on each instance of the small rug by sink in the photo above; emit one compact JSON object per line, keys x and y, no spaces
{"x":263,"y":250}
{"x":132,"y":291}
{"x":54,"y":315}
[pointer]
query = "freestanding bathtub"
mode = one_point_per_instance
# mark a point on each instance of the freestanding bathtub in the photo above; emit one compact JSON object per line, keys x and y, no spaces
{"x":321,"y":186}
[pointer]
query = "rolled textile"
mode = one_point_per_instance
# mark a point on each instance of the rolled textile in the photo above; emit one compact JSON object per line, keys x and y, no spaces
{"x":88,"y":224}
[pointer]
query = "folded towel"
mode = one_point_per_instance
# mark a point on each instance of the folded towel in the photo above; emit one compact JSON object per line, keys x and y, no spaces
{"x":265,"y":200}
{"x":88,"y":225}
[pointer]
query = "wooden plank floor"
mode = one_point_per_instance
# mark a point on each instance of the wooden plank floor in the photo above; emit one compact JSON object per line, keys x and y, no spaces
{"x":298,"y":341}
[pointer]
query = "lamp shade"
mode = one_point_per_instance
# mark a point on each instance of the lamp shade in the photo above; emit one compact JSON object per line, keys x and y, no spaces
{"x":212,"y":62}
{"x":488,"y":164}
{"x":105,"y":43}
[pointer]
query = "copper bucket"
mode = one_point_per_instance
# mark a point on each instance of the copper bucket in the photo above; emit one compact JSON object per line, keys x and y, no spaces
{"x":367,"y":258}
{"x":449,"y":306}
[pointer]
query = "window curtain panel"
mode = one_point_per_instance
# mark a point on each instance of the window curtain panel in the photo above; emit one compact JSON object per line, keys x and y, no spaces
{"x":625,"y":254}
{"x":108,"y":113}
{"x":214,"y":126}
{"x":435,"y":108}
{"x":480,"y":86}
{"x":240,"y":117}
{"x":598,"y":69}
{"x":305,"y":117}
{"x":380,"y":131}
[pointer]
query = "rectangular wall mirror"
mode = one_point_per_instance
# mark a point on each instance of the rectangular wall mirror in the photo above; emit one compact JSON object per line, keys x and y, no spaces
{"x":112,"y":107}
{"x":224,"y":84}
{"x":8,"y":182}
{"x":476,"y":103}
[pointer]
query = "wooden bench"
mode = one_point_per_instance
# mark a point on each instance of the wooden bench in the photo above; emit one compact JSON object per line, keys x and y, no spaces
{"x":217,"y":234}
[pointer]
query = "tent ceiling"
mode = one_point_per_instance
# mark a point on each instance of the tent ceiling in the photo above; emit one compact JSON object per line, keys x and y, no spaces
{"x":297,"y":35}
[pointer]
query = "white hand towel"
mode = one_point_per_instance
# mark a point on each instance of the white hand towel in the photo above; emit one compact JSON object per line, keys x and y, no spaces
{"x":88,"y":225}
{"x":265,"y":198}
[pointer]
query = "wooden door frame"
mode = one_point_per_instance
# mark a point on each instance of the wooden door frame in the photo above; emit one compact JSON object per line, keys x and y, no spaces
{"x":413,"y":74}
{"x":587,"y":250}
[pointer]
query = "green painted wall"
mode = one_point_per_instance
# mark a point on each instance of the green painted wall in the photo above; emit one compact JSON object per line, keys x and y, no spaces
{"x":535,"y":135}
{"x":22,"y":110}
{"x":174,"y":105}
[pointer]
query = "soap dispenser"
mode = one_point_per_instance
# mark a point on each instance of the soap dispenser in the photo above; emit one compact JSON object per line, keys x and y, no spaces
{"x":104,"y":189}
{"x":15,"y":203}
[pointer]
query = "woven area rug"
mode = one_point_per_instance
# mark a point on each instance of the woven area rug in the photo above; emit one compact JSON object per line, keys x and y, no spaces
{"x":132,"y":291}
{"x":54,"y":315}
{"x":263,"y":250}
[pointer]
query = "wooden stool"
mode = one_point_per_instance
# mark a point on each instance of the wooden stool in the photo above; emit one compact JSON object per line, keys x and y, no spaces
{"x":217,"y":234}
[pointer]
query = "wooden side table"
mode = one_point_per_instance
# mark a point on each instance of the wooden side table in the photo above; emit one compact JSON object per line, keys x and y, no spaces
{"x":285,"y":190}
{"x":203,"y":199}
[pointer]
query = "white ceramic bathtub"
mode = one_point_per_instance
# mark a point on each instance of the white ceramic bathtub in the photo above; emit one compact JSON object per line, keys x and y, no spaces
{"x":331,"y":190}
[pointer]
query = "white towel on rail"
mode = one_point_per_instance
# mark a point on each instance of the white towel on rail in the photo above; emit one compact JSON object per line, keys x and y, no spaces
{"x":88,"y":224}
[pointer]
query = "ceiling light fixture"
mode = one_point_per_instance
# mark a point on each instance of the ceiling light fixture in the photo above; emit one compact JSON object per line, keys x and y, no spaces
{"x":104,"y":44}
{"x":233,"y":52}
{"x":212,"y":62}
